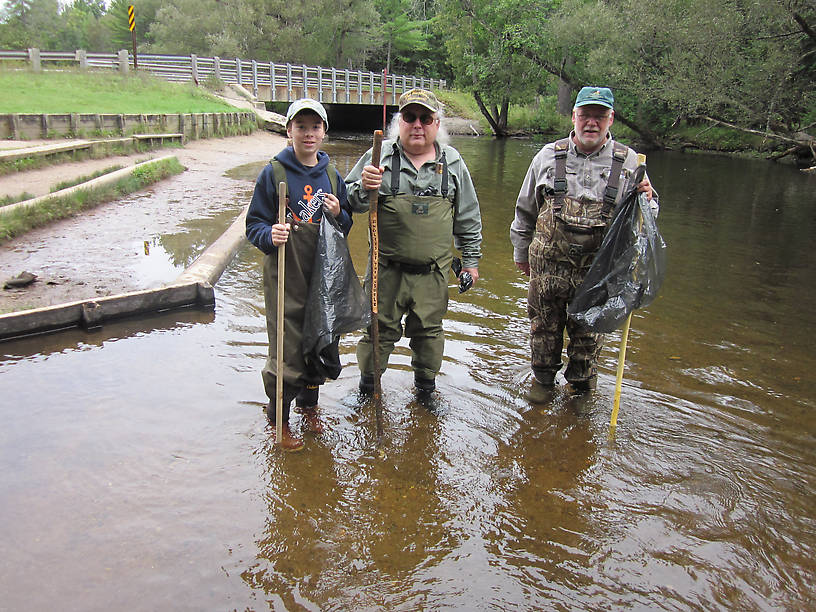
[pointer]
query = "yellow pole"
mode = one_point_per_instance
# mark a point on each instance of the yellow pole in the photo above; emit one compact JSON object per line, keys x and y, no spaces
{"x":613,"y":420}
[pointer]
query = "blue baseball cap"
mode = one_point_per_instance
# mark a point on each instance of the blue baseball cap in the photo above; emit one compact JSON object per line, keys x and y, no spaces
{"x":602,"y":96}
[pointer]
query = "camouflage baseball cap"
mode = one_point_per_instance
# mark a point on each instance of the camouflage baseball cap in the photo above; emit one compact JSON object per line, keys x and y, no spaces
{"x":595,"y":95}
{"x":423,"y":97}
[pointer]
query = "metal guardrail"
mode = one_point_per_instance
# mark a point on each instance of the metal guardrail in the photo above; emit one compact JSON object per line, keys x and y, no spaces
{"x":283,"y":80}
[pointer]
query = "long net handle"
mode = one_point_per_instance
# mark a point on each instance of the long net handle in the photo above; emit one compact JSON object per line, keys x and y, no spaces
{"x":373,"y":199}
{"x":279,"y":330}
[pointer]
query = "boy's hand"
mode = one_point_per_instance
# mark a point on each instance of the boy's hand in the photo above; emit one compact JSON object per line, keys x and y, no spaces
{"x":331,"y":204}
{"x":371,"y":178}
{"x":280,"y":234}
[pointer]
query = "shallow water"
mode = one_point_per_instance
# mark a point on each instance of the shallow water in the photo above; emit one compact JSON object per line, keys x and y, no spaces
{"x":139,"y":471}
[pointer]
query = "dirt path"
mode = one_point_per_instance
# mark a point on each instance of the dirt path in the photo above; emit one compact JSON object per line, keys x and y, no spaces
{"x":101,"y":252}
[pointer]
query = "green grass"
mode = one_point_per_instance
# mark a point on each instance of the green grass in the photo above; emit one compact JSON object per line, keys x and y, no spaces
{"x":16,"y":222}
{"x":459,"y":104}
{"x":13,"y":199}
{"x":538,"y":118}
{"x":70,"y":91}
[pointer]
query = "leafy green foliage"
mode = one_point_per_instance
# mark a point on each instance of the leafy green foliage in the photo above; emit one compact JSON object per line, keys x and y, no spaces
{"x":750,"y":63}
{"x":403,"y":36}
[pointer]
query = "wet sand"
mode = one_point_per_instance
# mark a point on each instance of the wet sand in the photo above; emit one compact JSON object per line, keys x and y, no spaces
{"x":84,"y":257}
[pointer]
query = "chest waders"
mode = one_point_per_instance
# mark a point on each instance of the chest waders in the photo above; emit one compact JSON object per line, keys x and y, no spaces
{"x":575,"y":227}
{"x":416,"y":230}
{"x":568,"y":234}
{"x":300,"y":256}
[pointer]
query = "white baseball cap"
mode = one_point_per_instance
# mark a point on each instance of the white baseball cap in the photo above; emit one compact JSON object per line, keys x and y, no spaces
{"x":307,"y":104}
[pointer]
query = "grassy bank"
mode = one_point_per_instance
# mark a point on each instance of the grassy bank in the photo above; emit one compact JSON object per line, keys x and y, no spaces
{"x":22,"y":219}
{"x":71,"y":91}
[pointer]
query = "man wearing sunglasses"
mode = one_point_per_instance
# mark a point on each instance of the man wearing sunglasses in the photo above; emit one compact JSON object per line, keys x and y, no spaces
{"x":426,"y":198}
{"x":564,"y":206}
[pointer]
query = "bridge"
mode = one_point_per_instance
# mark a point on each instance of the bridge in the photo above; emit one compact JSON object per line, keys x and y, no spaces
{"x":266,"y":81}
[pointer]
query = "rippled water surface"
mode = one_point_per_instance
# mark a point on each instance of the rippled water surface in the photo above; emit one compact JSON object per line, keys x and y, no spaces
{"x":139,"y":472}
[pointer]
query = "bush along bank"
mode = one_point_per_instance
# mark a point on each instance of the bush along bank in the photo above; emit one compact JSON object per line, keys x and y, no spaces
{"x":16,"y":219}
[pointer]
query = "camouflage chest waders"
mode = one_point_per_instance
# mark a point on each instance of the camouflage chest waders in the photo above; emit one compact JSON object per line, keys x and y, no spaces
{"x":568,"y":233}
{"x":415,"y":256}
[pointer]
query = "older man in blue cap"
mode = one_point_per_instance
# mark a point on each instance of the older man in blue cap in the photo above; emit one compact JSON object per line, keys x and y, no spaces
{"x":562,"y":211}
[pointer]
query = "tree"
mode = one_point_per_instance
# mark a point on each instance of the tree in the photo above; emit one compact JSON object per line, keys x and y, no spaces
{"x":116,"y":20}
{"x":482,"y":38}
{"x":80,"y":26}
{"x":402,"y":35}
{"x":734,"y":61}
{"x":30,"y":23}
{"x":325,"y":32}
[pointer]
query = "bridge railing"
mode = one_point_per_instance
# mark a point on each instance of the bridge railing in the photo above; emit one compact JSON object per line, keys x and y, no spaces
{"x":267,"y":80}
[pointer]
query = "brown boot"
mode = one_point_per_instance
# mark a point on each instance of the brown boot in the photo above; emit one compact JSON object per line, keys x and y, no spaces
{"x":312,"y":419}
{"x":289,"y":441}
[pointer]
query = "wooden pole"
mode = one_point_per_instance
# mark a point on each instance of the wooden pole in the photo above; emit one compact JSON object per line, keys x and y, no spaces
{"x":279,"y":330}
{"x":613,"y":420}
{"x":373,"y":199}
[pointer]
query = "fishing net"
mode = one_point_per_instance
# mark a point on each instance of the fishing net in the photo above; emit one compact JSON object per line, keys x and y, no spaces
{"x":336,"y":302}
{"x":627,"y":271}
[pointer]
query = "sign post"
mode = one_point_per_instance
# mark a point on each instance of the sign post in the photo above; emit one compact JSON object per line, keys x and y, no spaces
{"x":132,"y":28}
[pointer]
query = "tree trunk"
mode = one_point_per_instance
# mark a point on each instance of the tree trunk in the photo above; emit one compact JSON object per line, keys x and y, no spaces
{"x":503,"y":116}
{"x":565,"y":89}
{"x":498,"y":131}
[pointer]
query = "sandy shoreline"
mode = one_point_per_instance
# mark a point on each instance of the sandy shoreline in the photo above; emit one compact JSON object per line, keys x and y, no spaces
{"x":91,"y":255}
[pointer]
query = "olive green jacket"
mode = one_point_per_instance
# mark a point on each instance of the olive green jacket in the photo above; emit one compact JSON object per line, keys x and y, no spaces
{"x":467,"y":219}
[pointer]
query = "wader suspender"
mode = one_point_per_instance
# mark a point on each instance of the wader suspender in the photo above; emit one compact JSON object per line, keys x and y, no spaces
{"x":279,"y":170}
{"x":396,"y":168}
{"x":619,"y":152}
{"x":560,"y":182}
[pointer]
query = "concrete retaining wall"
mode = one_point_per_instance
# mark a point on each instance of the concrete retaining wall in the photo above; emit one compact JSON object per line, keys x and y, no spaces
{"x":91,"y":314}
{"x":193,"y":287}
{"x":21,"y":126}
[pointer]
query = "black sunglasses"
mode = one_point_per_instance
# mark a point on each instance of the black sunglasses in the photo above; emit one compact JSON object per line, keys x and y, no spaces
{"x":409,"y":117}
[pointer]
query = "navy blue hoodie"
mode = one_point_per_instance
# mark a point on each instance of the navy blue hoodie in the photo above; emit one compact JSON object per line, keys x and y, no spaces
{"x":306,"y":186}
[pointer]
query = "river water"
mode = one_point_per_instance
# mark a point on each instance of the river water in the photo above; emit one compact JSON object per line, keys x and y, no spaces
{"x":139,"y":472}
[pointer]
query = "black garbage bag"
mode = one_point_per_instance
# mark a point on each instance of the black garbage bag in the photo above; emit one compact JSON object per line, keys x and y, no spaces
{"x":336,"y":303}
{"x":627,"y":271}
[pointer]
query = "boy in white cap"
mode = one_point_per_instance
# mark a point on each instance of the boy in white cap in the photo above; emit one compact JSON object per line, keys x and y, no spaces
{"x":314,"y":188}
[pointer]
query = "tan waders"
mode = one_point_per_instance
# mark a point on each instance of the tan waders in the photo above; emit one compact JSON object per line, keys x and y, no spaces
{"x":415,"y":256}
